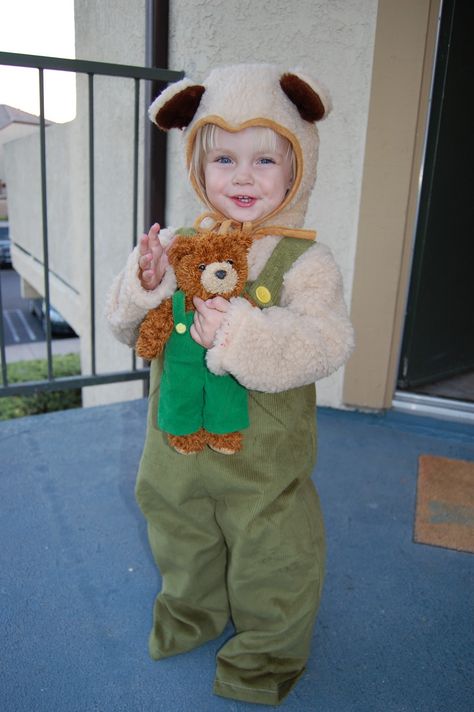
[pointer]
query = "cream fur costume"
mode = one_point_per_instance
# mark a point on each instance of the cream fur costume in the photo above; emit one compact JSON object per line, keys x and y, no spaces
{"x":258,"y":510}
{"x":304,"y":350}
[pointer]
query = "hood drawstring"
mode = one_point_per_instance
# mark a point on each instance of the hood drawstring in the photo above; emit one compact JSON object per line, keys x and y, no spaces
{"x":203,"y":224}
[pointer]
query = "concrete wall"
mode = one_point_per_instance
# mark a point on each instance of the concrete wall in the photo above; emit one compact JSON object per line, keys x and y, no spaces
{"x":11,"y":133}
{"x":333,"y":40}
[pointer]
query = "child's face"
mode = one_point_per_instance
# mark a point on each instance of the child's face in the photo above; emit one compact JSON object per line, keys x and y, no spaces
{"x":243,"y":182}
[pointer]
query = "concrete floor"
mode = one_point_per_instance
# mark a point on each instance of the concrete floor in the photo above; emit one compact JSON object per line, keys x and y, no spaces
{"x":396,"y":627}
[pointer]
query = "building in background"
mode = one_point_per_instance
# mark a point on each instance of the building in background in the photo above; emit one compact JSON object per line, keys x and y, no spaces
{"x":14,"y":124}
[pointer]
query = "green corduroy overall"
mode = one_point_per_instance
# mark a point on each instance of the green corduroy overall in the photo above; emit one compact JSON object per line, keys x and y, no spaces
{"x":240,"y":536}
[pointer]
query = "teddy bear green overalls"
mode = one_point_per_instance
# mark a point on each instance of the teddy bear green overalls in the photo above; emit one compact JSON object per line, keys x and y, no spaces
{"x":240,"y":536}
{"x":191,"y":397}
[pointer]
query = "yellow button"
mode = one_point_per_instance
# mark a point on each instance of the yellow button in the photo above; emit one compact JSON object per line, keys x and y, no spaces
{"x":263,"y":294}
{"x":180,"y":328}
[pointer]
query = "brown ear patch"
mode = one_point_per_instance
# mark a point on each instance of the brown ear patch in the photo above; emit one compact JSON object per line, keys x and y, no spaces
{"x":306,"y":100}
{"x":181,"y":246}
{"x":178,"y":112}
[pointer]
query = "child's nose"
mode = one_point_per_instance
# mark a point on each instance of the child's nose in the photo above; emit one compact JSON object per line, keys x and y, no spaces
{"x":242,"y":175}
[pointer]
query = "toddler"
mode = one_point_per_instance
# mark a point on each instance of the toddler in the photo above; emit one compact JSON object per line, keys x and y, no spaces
{"x":240,"y":536}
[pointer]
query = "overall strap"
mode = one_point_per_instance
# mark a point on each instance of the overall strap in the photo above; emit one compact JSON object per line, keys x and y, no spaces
{"x":179,"y":308}
{"x":186,"y":231}
{"x":266,"y":289}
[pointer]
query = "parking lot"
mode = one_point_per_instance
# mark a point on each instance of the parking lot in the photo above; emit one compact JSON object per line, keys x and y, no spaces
{"x":23,"y":329}
{"x":19,"y":324}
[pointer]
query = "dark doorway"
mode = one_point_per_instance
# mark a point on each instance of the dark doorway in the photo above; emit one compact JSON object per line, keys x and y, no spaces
{"x":437,"y":355}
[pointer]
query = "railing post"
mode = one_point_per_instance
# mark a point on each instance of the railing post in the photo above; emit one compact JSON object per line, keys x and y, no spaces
{"x":135,"y":178}
{"x":92,"y":220}
{"x":2,"y":341}
{"x":44,"y":205}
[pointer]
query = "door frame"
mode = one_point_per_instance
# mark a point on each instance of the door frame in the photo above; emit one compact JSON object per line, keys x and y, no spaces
{"x":402,"y":79}
{"x":438,"y":347}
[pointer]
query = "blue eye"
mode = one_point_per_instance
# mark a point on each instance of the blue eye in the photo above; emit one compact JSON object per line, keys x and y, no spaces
{"x":266,"y":161}
{"x":223,"y":159}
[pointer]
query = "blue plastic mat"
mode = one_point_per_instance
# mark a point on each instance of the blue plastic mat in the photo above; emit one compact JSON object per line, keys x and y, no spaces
{"x":395,"y":630}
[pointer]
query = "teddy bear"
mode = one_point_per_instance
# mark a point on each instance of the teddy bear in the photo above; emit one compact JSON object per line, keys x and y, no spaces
{"x":196,"y":407}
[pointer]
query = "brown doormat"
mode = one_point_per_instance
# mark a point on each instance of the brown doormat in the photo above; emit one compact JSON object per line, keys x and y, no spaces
{"x":445,"y":503}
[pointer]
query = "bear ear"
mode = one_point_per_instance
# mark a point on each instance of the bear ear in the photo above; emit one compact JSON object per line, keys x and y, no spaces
{"x":246,"y":240}
{"x":312,"y":101}
{"x":175,"y":107}
{"x":243,"y":239}
{"x":182,"y":246}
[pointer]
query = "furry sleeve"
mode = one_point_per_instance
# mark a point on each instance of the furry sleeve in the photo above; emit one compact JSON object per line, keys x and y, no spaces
{"x":307,"y":338}
{"x":127,"y":302}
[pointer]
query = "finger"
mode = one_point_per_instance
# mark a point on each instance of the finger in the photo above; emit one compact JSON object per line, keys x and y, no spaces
{"x":198,"y":323}
{"x":218,"y":303}
{"x":145,"y":260}
{"x":163,"y":262}
{"x":143,"y":246}
{"x":148,"y":275}
{"x":153,"y":233}
{"x":200,"y":304}
{"x":195,"y":335}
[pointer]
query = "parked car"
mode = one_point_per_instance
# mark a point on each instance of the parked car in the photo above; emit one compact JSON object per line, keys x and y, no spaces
{"x":5,"y":251}
{"x":59,"y":326}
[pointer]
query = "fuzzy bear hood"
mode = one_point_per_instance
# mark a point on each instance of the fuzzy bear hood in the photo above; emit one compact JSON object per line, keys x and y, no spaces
{"x":244,"y":95}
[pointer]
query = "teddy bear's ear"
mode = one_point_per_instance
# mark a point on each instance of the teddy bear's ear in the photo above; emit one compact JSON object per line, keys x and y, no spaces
{"x":312,"y":100}
{"x":181,"y":247}
{"x":246,"y":240}
{"x":230,"y":239}
{"x":175,"y":107}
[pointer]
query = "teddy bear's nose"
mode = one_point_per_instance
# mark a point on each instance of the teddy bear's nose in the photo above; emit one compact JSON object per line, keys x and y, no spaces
{"x":221,"y":274}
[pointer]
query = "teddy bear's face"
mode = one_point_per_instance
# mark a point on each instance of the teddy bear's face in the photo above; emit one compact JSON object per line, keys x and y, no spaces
{"x":207,"y":264}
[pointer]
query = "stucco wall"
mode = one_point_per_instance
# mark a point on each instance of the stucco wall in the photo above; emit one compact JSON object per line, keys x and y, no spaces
{"x":12,"y":133}
{"x":333,"y":40}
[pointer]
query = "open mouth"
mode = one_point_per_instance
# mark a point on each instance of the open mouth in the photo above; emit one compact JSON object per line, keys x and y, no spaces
{"x":243,"y":201}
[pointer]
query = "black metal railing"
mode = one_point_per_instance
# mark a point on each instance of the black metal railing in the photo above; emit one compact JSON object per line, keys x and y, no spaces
{"x":91,"y":69}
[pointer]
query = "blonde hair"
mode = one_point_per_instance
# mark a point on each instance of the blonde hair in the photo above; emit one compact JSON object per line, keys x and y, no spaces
{"x":206,"y":140}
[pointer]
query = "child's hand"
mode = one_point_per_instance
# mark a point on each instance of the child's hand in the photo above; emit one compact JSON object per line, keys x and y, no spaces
{"x":208,"y":318}
{"x":152,"y":260}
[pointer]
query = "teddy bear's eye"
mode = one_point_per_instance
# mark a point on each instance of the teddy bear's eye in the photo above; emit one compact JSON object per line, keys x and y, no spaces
{"x":202,"y":267}
{"x":230,"y":262}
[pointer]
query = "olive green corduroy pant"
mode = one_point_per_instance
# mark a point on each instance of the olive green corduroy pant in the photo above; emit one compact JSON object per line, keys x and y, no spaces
{"x":238,"y":536}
